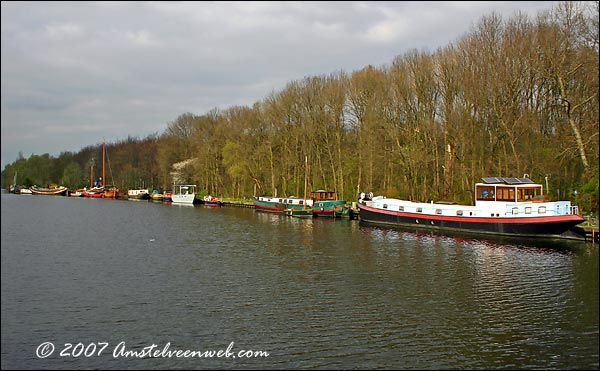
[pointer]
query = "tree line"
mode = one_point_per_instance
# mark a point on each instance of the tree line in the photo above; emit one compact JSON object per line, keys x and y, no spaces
{"x":511,"y":97}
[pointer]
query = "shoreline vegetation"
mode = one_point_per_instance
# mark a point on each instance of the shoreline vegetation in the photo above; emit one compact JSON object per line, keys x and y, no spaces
{"x":511,"y":97}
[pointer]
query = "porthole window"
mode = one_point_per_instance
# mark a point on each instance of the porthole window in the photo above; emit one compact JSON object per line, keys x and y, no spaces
{"x":542,"y":210}
{"x":528,"y":210}
{"x":459,"y":212}
{"x":515,"y":210}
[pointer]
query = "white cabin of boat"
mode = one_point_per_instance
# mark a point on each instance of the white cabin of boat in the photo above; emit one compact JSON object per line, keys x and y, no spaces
{"x":286,"y":200}
{"x":494,"y":197}
{"x":184,"y":193}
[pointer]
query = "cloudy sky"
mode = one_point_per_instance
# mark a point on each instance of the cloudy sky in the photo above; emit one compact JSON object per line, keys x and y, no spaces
{"x":77,"y":73}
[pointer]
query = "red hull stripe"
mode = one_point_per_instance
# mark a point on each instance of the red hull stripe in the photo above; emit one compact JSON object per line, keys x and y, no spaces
{"x":266,"y":207}
{"x":476,"y":219}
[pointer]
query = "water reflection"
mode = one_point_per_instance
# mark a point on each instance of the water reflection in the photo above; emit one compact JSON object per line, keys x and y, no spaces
{"x":550,"y":245}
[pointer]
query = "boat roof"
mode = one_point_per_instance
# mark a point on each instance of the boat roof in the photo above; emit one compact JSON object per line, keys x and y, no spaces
{"x":510,"y":181}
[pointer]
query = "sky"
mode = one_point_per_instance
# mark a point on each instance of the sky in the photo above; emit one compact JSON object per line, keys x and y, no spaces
{"x":75,"y":74}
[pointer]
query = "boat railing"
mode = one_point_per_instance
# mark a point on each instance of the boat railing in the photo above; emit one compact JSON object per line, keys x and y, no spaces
{"x":568,"y":209}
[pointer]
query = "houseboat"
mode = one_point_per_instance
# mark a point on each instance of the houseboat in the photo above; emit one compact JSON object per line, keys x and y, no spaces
{"x":280,"y":204}
{"x":326,"y":203}
{"x":503,"y":206}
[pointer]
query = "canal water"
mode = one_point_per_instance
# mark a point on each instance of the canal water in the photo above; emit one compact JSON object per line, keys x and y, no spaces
{"x":111,"y":284}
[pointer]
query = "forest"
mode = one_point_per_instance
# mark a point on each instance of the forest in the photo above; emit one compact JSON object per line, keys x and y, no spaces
{"x":511,"y":97}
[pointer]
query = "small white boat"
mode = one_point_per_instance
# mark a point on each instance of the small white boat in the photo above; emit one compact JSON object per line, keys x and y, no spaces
{"x":138,"y":194}
{"x":24,"y":191}
{"x":184,"y":193}
{"x":53,"y":191}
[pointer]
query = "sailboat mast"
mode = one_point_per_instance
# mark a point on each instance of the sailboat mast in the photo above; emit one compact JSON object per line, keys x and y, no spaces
{"x":305,"y":179}
{"x":103,"y":173}
{"x":92,"y":175}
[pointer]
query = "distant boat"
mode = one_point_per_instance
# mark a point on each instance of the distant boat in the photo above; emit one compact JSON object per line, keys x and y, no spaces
{"x":184,"y":193}
{"x":157,"y":196}
{"x":326,"y":203}
{"x":138,"y":194}
{"x":280,"y":204}
{"x":23,"y":191}
{"x":503,"y":206}
{"x":168,"y":196}
{"x":211,"y":201}
{"x":95,"y":192}
{"x":53,"y":191}
{"x":110,"y":191}
{"x":299,"y":213}
{"x":77,"y":193}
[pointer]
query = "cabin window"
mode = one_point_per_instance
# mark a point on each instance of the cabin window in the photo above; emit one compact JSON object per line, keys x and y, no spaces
{"x":419,"y":209}
{"x":459,"y":212}
{"x":400,"y":208}
{"x":528,"y":210}
{"x":438,"y":211}
{"x":485,"y":193}
{"x":280,"y":200}
{"x":542,"y":210}
{"x":515,"y":210}
{"x":385,"y":206}
{"x":301,"y":202}
{"x":505,"y":194}
{"x":530,"y":193}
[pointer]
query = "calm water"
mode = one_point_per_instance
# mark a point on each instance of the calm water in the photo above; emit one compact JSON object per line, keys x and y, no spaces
{"x":329,"y":294}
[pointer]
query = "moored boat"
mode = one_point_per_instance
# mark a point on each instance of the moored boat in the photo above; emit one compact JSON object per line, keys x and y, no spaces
{"x":168,"y":196}
{"x":326,"y":203}
{"x":77,"y":192}
{"x":211,"y":201}
{"x":157,"y":196}
{"x":280,"y":204}
{"x":52,"y":191}
{"x":503,"y":206}
{"x":299,"y":213}
{"x":184,"y":193}
{"x":112,"y":191}
{"x":95,"y":192}
{"x":23,"y":191}
{"x":138,"y":194}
